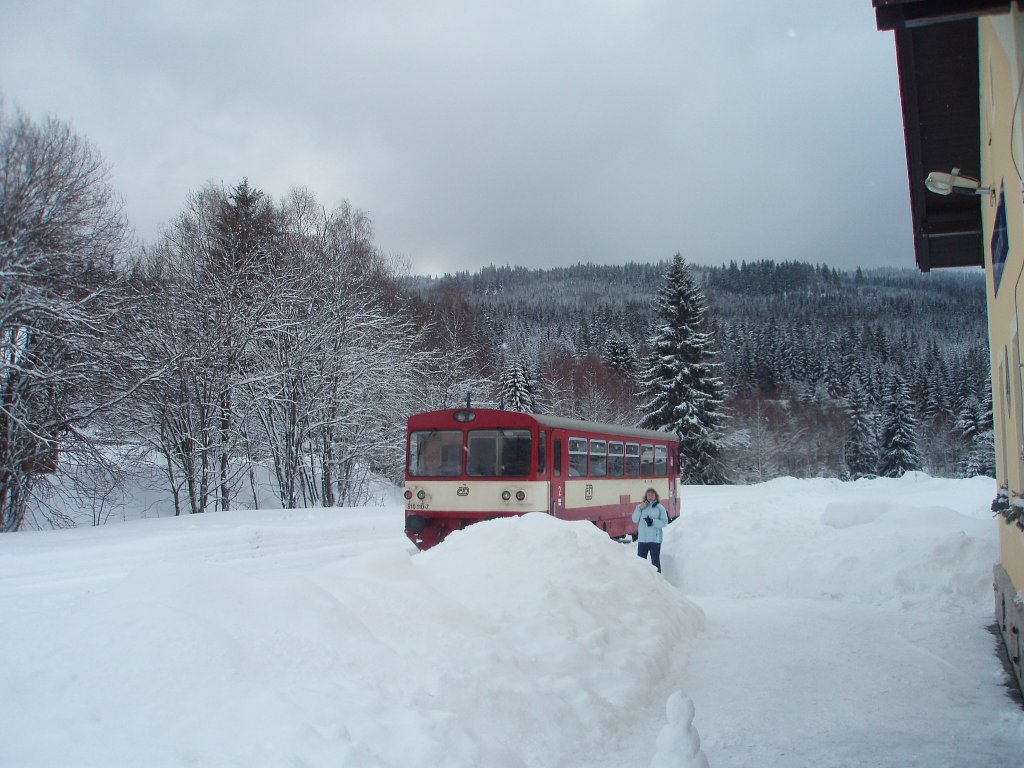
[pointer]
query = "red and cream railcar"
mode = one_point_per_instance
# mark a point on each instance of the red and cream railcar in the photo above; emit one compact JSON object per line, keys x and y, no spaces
{"x":464,"y":465}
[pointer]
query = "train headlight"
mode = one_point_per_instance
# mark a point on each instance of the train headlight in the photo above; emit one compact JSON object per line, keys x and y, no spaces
{"x":408,"y":494}
{"x":421,"y":494}
{"x":520,"y":495}
{"x":505,"y":495}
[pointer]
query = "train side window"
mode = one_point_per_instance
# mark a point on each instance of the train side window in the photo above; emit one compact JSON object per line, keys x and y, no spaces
{"x":647,"y":460}
{"x":632,"y":460}
{"x":598,"y":458}
{"x":615,"y":460}
{"x":542,"y":453}
{"x":558,"y":457}
{"x":660,"y":460}
{"x":577,"y":457}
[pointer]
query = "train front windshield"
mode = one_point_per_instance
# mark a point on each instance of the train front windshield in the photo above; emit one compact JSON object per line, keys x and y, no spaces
{"x":498,"y":453}
{"x":437,"y":453}
{"x":489,"y":453}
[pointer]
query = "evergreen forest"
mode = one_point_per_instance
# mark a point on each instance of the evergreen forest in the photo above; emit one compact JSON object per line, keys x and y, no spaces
{"x":805,"y":352}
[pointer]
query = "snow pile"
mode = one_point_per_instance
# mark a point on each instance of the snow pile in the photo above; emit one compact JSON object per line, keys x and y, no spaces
{"x":846,"y":624}
{"x":381,"y":659}
{"x":915,"y":541}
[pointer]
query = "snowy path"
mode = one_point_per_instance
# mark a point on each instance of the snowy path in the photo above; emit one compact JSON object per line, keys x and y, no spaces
{"x":54,"y":568}
{"x":791,"y":683}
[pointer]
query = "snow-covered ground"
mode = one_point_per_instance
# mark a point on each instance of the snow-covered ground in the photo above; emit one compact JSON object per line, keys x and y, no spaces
{"x":809,"y":623}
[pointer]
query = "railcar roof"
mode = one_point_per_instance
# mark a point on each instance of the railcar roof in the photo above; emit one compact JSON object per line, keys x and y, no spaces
{"x":563,"y":422}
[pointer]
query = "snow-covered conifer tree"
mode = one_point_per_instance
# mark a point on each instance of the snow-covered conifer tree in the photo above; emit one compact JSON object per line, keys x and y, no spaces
{"x":682,"y":393}
{"x":974,"y":423}
{"x":517,"y":391}
{"x":618,"y":354}
{"x":860,"y":450}
{"x":832,"y":375}
{"x":899,"y":452}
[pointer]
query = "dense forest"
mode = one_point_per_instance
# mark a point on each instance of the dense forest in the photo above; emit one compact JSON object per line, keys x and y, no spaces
{"x":791,"y":339}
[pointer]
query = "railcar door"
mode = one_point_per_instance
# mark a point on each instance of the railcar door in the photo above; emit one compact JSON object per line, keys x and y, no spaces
{"x":556,"y":502}
{"x":673,"y":486}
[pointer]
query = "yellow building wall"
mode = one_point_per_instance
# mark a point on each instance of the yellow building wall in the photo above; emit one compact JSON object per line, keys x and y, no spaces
{"x":1002,"y":161}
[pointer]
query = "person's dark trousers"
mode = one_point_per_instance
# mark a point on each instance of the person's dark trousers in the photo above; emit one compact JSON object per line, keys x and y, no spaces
{"x":644,"y":547}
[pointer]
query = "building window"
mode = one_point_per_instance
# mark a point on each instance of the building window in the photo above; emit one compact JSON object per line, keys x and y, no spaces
{"x":1008,"y":395}
{"x":1000,"y":241}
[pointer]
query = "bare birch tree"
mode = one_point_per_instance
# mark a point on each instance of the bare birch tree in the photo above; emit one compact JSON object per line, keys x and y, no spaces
{"x":61,"y":229}
{"x":344,"y":365}
{"x":209,"y":289}
{"x":274,"y":336}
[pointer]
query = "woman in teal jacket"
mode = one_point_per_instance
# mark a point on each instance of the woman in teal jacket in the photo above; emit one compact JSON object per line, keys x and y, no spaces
{"x":650,"y":517}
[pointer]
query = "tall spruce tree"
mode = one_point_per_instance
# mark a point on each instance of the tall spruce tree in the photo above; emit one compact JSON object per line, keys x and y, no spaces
{"x":899,"y":445}
{"x":682,"y":393}
{"x":860,"y":450}
{"x":517,"y":391}
{"x":975,"y":424}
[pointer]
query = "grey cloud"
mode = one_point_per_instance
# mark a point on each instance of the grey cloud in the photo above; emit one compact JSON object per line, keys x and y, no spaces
{"x":529,"y":133}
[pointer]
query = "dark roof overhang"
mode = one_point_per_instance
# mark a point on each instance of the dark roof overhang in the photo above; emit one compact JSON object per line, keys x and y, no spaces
{"x":937,"y":58}
{"x":903,"y":14}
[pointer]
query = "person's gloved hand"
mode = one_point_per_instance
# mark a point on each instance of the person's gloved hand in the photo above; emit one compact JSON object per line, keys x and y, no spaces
{"x":649,"y":520}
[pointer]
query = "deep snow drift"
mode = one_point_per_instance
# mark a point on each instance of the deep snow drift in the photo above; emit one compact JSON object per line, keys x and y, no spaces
{"x":797,"y":623}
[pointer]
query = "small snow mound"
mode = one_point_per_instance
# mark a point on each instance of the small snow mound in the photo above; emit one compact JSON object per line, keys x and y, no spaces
{"x":678,"y":744}
{"x":846,"y":515}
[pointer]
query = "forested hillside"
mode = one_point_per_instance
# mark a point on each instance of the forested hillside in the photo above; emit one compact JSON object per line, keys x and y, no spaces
{"x":261,"y":338}
{"x":793,"y":340}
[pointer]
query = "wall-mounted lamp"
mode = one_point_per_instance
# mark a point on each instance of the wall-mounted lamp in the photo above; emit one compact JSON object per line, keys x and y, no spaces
{"x":949,"y":183}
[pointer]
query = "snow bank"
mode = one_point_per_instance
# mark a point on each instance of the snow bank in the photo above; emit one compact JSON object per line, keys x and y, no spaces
{"x":381,"y":659}
{"x":911,"y":541}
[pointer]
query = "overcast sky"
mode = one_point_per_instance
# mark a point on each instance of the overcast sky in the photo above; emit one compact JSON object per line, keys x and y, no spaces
{"x":475,"y":132}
